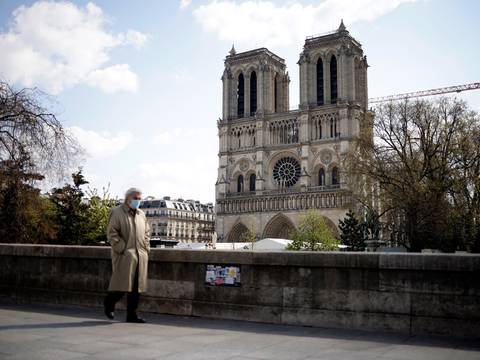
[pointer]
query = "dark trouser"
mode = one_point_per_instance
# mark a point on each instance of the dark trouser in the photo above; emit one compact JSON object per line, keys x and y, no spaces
{"x":133,"y":297}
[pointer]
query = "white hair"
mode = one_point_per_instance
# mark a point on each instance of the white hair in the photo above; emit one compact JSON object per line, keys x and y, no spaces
{"x":131,"y":191}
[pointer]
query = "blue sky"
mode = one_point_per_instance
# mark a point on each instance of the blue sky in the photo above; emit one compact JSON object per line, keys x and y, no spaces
{"x":138,"y":82}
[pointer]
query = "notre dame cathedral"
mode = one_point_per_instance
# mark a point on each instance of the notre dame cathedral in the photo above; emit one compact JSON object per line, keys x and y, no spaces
{"x":276,"y":163}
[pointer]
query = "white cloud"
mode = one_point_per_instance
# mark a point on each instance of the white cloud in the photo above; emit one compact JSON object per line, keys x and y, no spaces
{"x":136,"y":38}
{"x":189,"y":170}
{"x":113,"y":78}
{"x":185,"y":4}
{"x":273,"y":25}
{"x":101,"y":145}
{"x":167,"y":137}
{"x":56,"y":45}
{"x":181,"y":74}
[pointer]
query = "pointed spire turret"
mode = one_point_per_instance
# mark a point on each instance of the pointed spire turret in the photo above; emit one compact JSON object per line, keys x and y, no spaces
{"x":342,"y":26}
{"x":233,"y":51}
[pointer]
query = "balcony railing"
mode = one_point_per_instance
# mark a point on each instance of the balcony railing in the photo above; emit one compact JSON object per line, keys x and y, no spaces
{"x":285,"y":190}
{"x":300,"y":200}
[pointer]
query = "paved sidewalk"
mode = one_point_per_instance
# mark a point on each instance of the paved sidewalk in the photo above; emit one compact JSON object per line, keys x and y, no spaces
{"x":54,"y":332}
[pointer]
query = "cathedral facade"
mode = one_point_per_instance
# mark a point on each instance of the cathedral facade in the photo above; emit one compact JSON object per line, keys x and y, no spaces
{"x":275,"y":163}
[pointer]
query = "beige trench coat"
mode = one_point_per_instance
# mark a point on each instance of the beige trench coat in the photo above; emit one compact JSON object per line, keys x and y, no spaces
{"x":129,"y":237}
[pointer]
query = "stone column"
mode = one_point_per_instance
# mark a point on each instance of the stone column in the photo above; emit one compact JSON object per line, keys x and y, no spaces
{"x":261,"y":89}
{"x":226,"y":95}
{"x":364,"y":83}
{"x":222,"y":184}
{"x":303,"y":63}
{"x":304,"y":129}
{"x":286,"y":93}
{"x":305,"y":179}
{"x":269,"y":105}
{"x":233,"y":97}
{"x":343,"y":121}
{"x":352,"y":78}
{"x":223,"y":137}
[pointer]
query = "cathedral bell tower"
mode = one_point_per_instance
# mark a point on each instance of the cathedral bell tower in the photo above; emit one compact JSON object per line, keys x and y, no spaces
{"x":254,"y":83}
{"x":333,"y":70}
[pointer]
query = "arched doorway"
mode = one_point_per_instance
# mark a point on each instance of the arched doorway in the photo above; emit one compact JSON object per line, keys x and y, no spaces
{"x":237,"y":233}
{"x":280,"y":227}
{"x":331,"y":225}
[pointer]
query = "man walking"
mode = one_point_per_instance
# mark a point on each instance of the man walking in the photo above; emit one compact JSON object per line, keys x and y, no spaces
{"x":129,"y":235}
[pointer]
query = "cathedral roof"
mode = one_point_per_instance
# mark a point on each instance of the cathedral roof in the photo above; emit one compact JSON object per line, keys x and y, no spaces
{"x":341,"y":32}
{"x":246,"y":55}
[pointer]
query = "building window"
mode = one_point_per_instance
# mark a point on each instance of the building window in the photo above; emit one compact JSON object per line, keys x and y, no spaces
{"x":333,"y":80}
{"x":241,"y":96}
{"x":335,"y":177}
{"x":321,"y":177}
{"x":253,"y":93}
{"x":240,"y":183}
{"x":286,"y":172}
{"x":253,"y":179}
{"x":320,"y":82}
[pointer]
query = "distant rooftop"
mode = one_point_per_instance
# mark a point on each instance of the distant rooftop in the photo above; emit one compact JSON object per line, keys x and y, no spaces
{"x":178,"y":204}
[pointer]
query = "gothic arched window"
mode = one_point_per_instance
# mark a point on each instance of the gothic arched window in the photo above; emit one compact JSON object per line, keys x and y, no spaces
{"x":253,"y":93}
{"x":335,"y":178}
{"x":321,"y":177}
{"x":333,"y":80}
{"x":320,"y":81}
{"x":241,"y":96}
{"x":253,"y":179}
{"x":240,"y":183}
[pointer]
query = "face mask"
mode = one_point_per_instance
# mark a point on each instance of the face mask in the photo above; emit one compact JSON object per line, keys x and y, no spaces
{"x":135,"y":204}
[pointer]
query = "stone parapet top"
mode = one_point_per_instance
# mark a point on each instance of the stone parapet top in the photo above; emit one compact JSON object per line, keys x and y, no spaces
{"x":407,"y":261}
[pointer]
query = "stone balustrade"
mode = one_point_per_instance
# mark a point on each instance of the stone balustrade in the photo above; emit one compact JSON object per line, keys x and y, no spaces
{"x":284,"y":200}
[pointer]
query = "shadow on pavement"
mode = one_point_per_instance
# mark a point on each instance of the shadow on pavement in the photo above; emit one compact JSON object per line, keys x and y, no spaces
{"x":232,"y":325}
{"x":87,"y":323}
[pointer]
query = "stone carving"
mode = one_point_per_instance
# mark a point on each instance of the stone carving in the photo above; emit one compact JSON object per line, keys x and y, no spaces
{"x":244,"y":165}
{"x":326,"y":156}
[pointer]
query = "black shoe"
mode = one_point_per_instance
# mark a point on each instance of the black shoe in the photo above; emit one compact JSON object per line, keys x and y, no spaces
{"x":108,"y":311}
{"x":135,"y":319}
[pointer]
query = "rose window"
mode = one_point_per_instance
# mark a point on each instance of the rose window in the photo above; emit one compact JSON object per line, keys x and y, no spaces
{"x":286,"y":171}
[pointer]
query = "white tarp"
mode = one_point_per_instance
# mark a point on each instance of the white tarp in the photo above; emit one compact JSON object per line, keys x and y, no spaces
{"x":271,"y":244}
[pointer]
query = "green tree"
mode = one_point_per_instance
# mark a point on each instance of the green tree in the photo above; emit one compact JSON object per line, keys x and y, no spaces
{"x":99,"y":208}
{"x":421,"y":161}
{"x":81,"y":216}
{"x":352,"y":233}
{"x":72,"y":211}
{"x":313,"y":234}
{"x":33,"y":146}
{"x":250,"y":236}
{"x":25,"y":216}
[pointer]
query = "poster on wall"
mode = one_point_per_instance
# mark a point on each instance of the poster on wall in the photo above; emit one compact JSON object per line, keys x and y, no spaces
{"x":222,"y":275}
